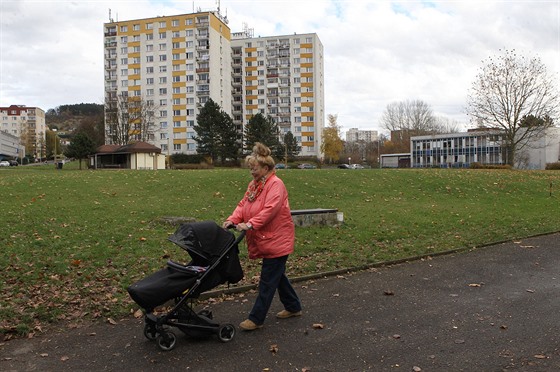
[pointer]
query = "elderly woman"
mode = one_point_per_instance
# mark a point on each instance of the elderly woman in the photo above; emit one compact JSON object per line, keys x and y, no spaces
{"x":264,"y":213}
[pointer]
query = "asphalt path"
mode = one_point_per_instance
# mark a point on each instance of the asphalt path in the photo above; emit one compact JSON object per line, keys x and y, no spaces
{"x":488,"y":309}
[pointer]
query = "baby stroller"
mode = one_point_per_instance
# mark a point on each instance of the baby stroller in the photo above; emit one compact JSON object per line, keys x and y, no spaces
{"x":214,"y":256}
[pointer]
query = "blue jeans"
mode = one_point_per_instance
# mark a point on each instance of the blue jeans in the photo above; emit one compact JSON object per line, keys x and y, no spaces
{"x":273,"y":277}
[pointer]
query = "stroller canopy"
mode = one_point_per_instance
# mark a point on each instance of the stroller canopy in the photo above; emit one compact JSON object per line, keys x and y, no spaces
{"x":204,"y":240}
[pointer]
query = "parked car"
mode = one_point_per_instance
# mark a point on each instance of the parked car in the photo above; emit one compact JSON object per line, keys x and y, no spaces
{"x":356,"y":166}
{"x":343,"y":166}
{"x":281,"y":166}
{"x":306,"y":166}
{"x":4,"y":163}
{"x":13,"y":163}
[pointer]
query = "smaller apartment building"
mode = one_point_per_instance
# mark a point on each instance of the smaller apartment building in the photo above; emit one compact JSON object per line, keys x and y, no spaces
{"x":457,"y":150}
{"x":27,"y":124}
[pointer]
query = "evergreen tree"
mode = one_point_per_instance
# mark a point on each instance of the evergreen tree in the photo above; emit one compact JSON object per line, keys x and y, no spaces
{"x":216,"y":136}
{"x":264,"y":130}
{"x":292,"y":148}
{"x":80,"y":147}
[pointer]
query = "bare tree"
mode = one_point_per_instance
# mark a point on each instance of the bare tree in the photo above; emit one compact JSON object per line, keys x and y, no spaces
{"x":129,"y":119}
{"x":507,"y":89}
{"x":411,"y":116}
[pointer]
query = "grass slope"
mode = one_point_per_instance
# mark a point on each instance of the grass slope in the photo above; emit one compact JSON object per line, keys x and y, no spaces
{"x":74,"y":240}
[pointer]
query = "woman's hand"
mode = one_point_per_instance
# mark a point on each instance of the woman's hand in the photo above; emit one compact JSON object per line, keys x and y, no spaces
{"x":243,"y":226}
{"x":227,"y":224}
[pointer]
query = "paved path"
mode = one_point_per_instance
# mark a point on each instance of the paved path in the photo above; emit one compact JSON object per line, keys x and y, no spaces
{"x":490,"y":309}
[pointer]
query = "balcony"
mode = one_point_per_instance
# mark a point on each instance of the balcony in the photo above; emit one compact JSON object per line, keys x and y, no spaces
{"x":202,"y":70}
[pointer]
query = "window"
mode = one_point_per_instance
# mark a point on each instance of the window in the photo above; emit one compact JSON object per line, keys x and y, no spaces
{"x":162,"y":24}
{"x":149,"y":36}
{"x":189,"y":44}
{"x":136,"y":38}
{"x":176,"y":56}
{"x":176,"y":79}
{"x":190,"y":123}
{"x":189,"y":55}
{"x":177,"y":101}
{"x":137,"y":93}
{"x":176,"y":45}
{"x":162,"y":68}
{"x":149,"y":58}
{"x":162,"y":91}
{"x":124,"y":50}
{"x":124,"y":61}
{"x":163,"y":114}
{"x":149,"y":92}
{"x":150,"y":70}
{"x":124,"y":39}
{"x":162,"y":58}
{"x":190,"y":101}
{"x":149,"y":48}
{"x":175,"y":23}
{"x":124,"y":28}
{"x":135,"y":27}
{"x":176,"y":112}
{"x":177,"y":147}
{"x":162,"y":35}
{"x":163,"y":80}
{"x":190,"y":33}
{"x":149,"y":26}
{"x":124,"y":72}
{"x":176,"y":90}
{"x":190,"y":112}
{"x":176,"y":124}
{"x":163,"y":102}
{"x":176,"y":34}
{"x":162,"y":46}
{"x":136,"y":60}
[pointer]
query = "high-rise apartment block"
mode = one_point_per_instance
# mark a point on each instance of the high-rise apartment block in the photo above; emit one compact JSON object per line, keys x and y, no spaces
{"x":358,"y":135}
{"x":176,"y":63}
{"x":28,"y":124}
{"x":281,"y":77}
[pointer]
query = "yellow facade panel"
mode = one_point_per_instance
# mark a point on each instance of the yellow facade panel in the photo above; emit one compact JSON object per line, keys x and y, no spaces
{"x":250,"y":50}
{"x":306,"y":85}
{"x":306,"y":45}
{"x":251,"y":78}
{"x":307,"y":94}
{"x":306,"y":65}
{"x":179,"y":107}
{"x":179,"y":130}
{"x":307,"y":104}
{"x":179,"y":84}
{"x":306,"y":74}
{"x":307,"y":143}
{"x":251,"y":59}
{"x":180,"y":141}
{"x":306,"y":55}
{"x":134,"y":77}
{"x":251,"y":68}
{"x":306,"y":114}
{"x":251,"y":107}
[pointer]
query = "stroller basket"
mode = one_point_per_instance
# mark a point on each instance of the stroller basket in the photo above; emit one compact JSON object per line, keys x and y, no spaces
{"x":214,"y":256}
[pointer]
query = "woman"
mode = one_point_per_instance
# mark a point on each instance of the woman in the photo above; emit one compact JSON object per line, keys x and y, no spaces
{"x":264,"y":213}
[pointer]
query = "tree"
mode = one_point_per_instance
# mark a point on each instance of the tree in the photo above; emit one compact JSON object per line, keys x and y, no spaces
{"x":410,"y":116}
{"x":93,"y":127}
{"x":291,"y":146}
{"x":332,"y":144}
{"x":263,"y":130}
{"x":216,"y":135}
{"x":80,"y":147}
{"x":129,"y":119}
{"x":507,"y":89}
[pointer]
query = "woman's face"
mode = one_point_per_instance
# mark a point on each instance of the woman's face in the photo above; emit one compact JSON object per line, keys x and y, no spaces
{"x":258,"y":171}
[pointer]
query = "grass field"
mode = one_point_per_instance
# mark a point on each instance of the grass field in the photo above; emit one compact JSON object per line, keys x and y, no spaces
{"x":74,"y":240}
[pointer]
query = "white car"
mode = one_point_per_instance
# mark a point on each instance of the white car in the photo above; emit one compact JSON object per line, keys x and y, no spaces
{"x":4,"y":163}
{"x":356,"y":166}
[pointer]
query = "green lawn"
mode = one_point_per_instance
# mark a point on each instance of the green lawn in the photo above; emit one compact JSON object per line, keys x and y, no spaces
{"x":74,"y":240}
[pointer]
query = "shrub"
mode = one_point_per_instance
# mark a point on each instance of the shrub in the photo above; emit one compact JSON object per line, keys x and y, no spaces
{"x":477,"y":165}
{"x":553,"y":166}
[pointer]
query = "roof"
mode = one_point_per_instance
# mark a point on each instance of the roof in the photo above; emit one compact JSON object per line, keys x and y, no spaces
{"x":131,"y":148}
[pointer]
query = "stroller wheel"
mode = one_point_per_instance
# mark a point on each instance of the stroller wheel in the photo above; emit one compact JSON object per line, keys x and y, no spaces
{"x":167,"y":341}
{"x":226,"y":332}
{"x":150,"y":332}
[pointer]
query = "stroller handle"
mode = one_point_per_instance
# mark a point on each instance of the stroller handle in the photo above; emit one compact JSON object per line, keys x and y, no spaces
{"x":240,"y":236}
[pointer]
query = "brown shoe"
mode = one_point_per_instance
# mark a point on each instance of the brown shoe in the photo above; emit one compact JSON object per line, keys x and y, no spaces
{"x":249,"y":325}
{"x":284,"y":314}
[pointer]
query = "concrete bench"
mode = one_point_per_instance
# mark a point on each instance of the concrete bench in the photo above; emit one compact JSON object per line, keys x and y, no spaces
{"x":319,"y":216}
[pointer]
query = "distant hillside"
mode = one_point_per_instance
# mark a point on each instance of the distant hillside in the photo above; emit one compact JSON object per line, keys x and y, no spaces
{"x":69,"y":117}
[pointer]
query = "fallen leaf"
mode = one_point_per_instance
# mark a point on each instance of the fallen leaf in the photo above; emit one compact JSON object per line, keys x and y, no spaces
{"x":475,"y":285}
{"x":416,"y":369}
{"x":138,"y":314}
{"x":273,"y":348}
{"x":531,"y":290}
{"x":64,"y":358}
{"x":318,"y":326}
{"x":44,"y":355}
{"x":540,"y":356}
{"x":388,"y":292}
{"x":396,"y":337}
{"x":111,"y":321}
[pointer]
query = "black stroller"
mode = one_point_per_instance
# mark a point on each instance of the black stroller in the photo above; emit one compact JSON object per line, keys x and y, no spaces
{"x":215,"y":260}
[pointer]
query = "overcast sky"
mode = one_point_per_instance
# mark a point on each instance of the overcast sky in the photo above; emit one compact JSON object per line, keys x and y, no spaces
{"x":376,"y":52}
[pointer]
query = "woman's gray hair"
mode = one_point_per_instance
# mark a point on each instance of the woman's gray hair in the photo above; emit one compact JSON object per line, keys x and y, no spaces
{"x":260,"y":155}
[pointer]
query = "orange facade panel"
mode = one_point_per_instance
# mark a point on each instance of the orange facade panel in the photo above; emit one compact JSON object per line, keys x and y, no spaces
{"x":179,"y":84}
{"x":306,"y":114}
{"x":307,"y":104}
{"x":307,"y":94}
{"x":306,"y":85}
{"x":306,"y":55}
{"x":251,"y":107}
{"x":251,"y":59}
{"x":306,"y":65}
{"x":306,"y":45}
{"x":307,"y":143}
{"x":179,"y":130}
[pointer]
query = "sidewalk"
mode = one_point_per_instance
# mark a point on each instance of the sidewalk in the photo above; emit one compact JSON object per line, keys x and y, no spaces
{"x":490,"y":309}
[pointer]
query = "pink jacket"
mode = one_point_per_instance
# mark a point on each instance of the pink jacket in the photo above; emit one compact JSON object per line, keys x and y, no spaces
{"x":273,"y":232}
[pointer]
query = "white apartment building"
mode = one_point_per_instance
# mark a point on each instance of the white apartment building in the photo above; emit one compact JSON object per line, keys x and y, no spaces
{"x":173,"y":64}
{"x":357,"y":135}
{"x":27,"y":124}
{"x":281,"y":77}
{"x":176,"y":63}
